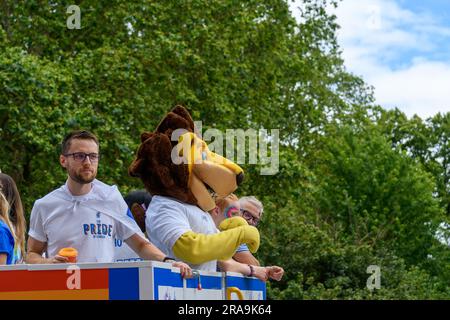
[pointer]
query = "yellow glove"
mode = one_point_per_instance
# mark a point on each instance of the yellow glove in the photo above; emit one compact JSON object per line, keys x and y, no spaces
{"x":197,"y":248}
{"x":236,"y":222}
{"x":232,"y":222}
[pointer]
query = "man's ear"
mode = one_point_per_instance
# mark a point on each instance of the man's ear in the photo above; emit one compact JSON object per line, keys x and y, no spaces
{"x":62,"y":161}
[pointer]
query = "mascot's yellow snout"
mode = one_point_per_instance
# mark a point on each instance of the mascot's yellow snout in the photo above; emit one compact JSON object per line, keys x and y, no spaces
{"x":207,"y":169}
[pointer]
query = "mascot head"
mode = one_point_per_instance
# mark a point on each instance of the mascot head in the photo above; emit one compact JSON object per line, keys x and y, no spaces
{"x":173,"y":161}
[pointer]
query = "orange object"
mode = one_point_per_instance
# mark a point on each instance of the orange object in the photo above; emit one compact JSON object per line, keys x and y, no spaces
{"x":70,"y":253}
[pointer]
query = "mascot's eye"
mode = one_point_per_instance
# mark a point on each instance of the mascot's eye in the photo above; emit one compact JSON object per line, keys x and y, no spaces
{"x":203,"y":155}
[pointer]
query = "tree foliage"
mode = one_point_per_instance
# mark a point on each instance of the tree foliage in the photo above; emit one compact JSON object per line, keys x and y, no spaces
{"x":357,"y":185}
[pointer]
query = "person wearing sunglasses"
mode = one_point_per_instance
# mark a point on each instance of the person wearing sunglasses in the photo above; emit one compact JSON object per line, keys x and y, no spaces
{"x":87,"y":214}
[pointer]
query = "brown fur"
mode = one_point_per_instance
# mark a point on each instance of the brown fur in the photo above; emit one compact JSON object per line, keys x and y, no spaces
{"x":153,"y":163}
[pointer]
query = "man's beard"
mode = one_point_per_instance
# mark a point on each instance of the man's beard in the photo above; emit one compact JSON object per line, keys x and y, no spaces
{"x":80,"y":179}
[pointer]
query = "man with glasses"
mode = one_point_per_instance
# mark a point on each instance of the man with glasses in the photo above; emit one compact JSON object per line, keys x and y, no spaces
{"x":250,"y":209}
{"x":86,"y":214}
{"x":252,"y":216}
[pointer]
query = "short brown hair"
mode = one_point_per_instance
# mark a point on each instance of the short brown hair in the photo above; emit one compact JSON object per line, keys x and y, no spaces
{"x":78,"y":134}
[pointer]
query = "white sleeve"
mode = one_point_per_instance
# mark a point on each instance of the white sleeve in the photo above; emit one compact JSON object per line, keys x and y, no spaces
{"x":169,"y":224}
{"x":126,"y":226}
{"x":36,"y":224}
{"x":123,"y":231}
{"x":131,"y":223}
{"x":116,"y":207}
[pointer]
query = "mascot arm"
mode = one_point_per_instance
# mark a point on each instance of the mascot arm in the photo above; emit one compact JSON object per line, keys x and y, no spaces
{"x":232,"y":222}
{"x":197,"y":248}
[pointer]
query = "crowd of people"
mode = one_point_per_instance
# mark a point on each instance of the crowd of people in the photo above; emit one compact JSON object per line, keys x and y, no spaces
{"x":94,"y":218}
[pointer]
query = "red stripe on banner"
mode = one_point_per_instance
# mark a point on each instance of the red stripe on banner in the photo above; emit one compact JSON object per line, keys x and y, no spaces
{"x":23,"y":280}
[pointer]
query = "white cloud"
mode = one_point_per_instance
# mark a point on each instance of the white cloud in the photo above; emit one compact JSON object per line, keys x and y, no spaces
{"x":421,"y":89}
{"x":393,"y":49}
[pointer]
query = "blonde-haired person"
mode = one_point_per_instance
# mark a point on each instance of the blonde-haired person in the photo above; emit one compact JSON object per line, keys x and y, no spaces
{"x":7,"y":240}
{"x":16,"y":214}
{"x":229,"y":207}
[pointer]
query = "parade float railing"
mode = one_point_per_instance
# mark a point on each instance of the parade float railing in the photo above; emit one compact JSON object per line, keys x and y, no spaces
{"x":141,"y":280}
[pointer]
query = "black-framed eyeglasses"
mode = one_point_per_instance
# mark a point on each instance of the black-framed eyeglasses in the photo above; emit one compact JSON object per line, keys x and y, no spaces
{"x":81,"y":156}
{"x":247,"y":215}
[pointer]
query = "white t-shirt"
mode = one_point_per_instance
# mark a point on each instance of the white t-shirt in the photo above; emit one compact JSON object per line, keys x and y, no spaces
{"x":95,"y":224}
{"x":122,"y":252}
{"x":167,"y":219}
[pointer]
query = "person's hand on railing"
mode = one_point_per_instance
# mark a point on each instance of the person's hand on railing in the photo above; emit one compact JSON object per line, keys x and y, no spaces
{"x":57,"y":259}
{"x":185,"y":269}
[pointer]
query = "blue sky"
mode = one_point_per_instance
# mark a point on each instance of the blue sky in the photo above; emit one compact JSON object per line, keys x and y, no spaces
{"x":439,"y":8}
{"x":437,"y":12}
{"x":402,"y":48}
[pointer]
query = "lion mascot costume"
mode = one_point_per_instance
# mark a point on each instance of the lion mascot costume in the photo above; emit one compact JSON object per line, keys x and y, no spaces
{"x":185,"y":178}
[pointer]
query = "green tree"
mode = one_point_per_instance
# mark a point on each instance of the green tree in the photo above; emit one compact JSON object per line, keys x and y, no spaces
{"x":366,"y":192}
{"x":351,"y":189}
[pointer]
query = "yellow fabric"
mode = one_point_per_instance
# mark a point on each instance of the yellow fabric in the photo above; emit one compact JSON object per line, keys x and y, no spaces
{"x":187,"y":148}
{"x":206,"y":168}
{"x":204,"y":199}
{"x":221,"y":179}
{"x":197,"y":248}
{"x":214,"y":157}
{"x":232,"y":222}
{"x":194,"y":150}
